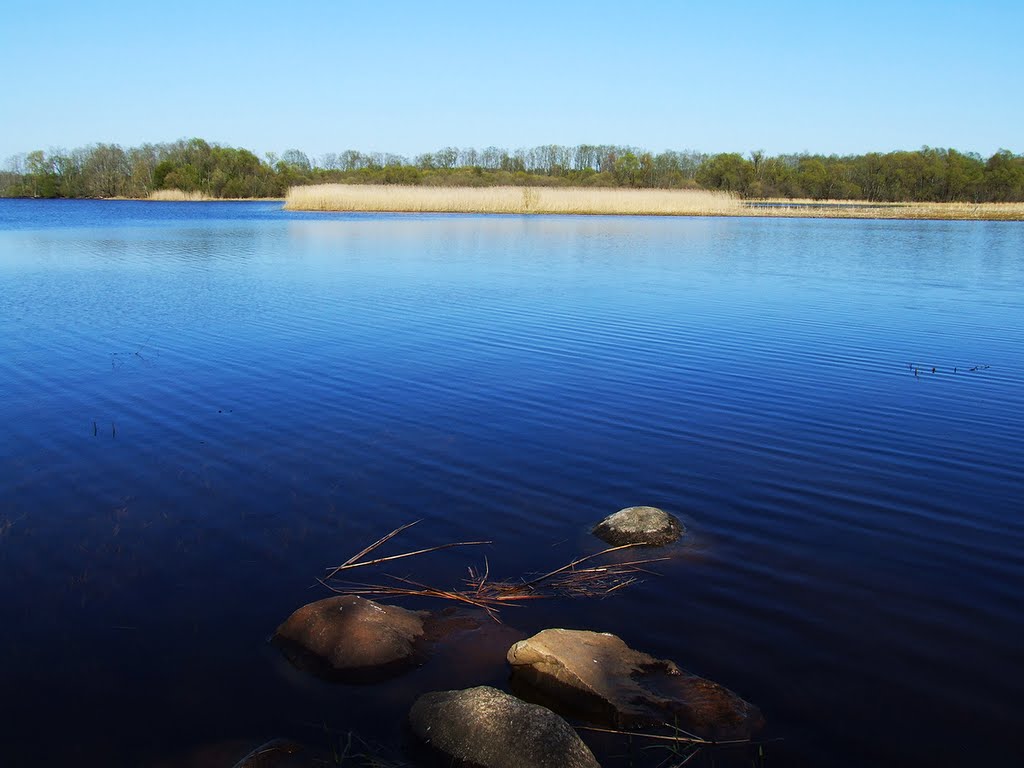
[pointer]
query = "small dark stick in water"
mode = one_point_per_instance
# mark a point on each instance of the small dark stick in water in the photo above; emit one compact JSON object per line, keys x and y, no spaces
{"x":113,"y":430}
{"x":269,"y":754}
{"x":94,"y":429}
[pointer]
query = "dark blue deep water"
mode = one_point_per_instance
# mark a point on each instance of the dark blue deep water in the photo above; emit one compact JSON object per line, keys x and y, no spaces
{"x":271,"y":391}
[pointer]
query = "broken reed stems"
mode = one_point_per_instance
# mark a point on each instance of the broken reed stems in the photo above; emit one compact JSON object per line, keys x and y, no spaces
{"x":574,"y":563}
{"x":568,"y":581}
{"x":419,"y":590}
{"x":680,"y":737}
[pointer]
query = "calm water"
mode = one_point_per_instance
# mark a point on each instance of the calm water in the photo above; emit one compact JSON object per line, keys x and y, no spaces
{"x":271,"y":391}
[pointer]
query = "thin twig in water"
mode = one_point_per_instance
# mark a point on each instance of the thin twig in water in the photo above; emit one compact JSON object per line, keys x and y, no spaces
{"x":352,"y":562}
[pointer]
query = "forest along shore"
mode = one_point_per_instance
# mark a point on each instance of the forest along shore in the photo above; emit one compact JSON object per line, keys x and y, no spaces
{"x":195,"y":166}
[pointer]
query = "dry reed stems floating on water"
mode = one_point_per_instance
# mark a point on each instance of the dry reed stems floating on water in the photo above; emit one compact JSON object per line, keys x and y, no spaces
{"x":682,"y":745}
{"x":478,"y":590}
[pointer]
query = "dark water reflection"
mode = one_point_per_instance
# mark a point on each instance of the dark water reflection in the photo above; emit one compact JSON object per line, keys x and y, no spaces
{"x":271,"y":391}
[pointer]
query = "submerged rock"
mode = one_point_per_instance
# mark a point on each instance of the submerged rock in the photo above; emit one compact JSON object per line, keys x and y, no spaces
{"x":485,"y":727}
{"x":351,"y":639}
{"x":639,"y":525}
{"x":597,"y":677}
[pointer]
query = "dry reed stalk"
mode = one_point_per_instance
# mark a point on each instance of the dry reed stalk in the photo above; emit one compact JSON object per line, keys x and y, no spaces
{"x":569,"y":580}
{"x":353,"y":562}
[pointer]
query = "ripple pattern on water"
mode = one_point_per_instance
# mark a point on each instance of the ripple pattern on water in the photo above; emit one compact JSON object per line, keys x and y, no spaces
{"x":270,"y":391}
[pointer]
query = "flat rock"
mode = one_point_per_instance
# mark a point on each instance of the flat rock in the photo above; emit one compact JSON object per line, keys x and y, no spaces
{"x":485,"y":727}
{"x":351,"y":639}
{"x":639,"y":525}
{"x":597,"y":677}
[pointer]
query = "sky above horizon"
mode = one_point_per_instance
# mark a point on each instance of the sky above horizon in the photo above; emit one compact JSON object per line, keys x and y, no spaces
{"x":412,"y":77}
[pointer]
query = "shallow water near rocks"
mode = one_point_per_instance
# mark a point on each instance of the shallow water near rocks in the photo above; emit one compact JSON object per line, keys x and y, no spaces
{"x":204,"y":405}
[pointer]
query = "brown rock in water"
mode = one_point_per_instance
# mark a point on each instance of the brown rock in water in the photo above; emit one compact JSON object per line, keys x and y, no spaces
{"x":351,"y":639}
{"x":487,"y":728}
{"x":639,"y":525}
{"x":597,"y":677}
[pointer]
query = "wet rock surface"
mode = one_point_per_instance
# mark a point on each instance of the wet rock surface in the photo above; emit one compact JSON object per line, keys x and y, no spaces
{"x":484,"y":727}
{"x":639,"y":525}
{"x":597,"y":677}
{"x":350,"y":639}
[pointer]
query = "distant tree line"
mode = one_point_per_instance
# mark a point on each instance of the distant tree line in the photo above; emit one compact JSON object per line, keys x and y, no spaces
{"x":194,"y":165}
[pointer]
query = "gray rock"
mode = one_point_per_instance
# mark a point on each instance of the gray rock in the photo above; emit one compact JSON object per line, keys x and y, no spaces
{"x":639,"y":525}
{"x":485,"y":727}
{"x":351,"y":639}
{"x":597,"y":677}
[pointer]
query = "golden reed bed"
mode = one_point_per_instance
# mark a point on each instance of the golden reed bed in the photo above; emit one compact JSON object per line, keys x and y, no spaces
{"x":572,"y":200}
{"x":603,"y":200}
{"x":177,"y":196}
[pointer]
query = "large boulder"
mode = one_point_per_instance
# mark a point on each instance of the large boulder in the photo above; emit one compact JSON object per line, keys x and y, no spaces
{"x":351,"y":639}
{"x":639,"y":525}
{"x":485,"y":727}
{"x":597,"y":677}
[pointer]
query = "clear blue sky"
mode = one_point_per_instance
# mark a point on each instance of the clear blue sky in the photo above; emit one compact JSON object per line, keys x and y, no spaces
{"x":410,"y":77}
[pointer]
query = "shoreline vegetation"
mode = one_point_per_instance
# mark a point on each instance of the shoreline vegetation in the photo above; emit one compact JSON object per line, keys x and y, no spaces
{"x":613,"y":201}
{"x":178,"y":196}
{"x":200,"y":170}
{"x":515,"y":200}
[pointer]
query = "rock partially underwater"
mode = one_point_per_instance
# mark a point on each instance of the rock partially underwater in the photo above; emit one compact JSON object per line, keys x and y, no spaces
{"x":597,"y":677}
{"x":485,"y":727}
{"x":639,"y":525}
{"x":350,"y":639}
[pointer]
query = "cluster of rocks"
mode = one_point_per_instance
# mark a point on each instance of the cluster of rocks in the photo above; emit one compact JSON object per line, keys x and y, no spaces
{"x":592,"y":677}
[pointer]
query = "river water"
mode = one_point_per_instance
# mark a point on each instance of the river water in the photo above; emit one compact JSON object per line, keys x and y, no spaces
{"x":205,"y":405}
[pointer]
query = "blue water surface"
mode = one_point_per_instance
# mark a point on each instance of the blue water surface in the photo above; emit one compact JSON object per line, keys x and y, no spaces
{"x":204,"y":405}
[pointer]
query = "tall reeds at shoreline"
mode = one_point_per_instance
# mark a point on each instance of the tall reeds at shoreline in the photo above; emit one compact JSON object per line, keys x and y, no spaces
{"x":618,"y":201}
{"x":520,"y":200}
{"x":177,"y":196}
